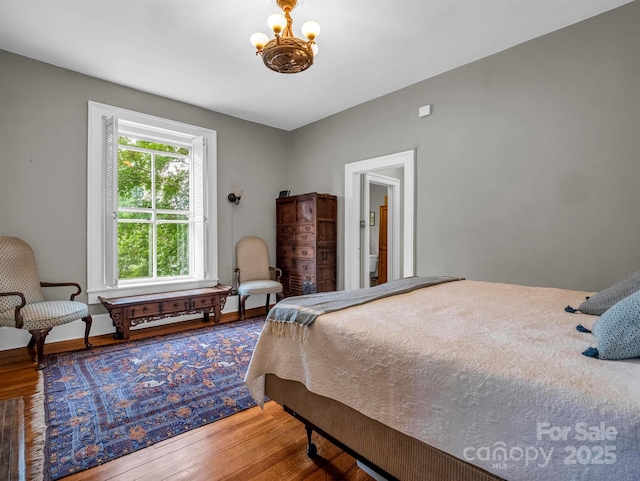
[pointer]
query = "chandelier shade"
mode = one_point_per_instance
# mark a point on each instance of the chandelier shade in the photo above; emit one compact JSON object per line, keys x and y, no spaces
{"x":277,"y":22}
{"x":286,"y":53}
{"x":310,"y":29}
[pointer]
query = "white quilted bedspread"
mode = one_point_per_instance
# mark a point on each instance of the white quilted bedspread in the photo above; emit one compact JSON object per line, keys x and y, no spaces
{"x":490,"y":373}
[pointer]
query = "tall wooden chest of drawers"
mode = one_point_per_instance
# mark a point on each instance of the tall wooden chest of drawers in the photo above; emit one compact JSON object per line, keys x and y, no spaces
{"x":306,"y":243}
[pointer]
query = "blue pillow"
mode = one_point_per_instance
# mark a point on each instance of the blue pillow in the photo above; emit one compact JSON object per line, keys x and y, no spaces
{"x":618,"y":330}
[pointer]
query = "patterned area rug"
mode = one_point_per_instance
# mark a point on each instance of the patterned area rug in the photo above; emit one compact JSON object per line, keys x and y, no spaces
{"x":110,"y":401}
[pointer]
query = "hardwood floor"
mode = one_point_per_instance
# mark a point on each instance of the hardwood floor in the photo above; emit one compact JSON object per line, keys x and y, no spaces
{"x":249,"y":446}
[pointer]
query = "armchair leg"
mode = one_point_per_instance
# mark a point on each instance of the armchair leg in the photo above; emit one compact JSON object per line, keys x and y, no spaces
{"x":39,"y":335}
{"x":32,"y":343}
{"x":242,"y":308}
{"x":87,"y":321}
{"x":266,"y":309}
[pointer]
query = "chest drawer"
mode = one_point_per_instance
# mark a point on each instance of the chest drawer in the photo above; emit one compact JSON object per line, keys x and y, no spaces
{"x":298,"y":266}
{"x":143,"y":310}
{"x":286,"y":236}
{"x":287,"y":233}
{"x":307,"y":228}
{"x":175,"y":306}
{"x":297,"y":233}
{"x":304,"y":237}
{"x":202,"y":302}
{"x":296,"y":251}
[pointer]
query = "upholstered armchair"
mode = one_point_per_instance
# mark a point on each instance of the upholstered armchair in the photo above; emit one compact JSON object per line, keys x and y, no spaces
{"x":22,"y":304}
{"x":254,"y":272}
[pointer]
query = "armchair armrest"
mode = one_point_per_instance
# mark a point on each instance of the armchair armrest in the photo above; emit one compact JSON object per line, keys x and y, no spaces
{"x":278,"y":272}
{"x":62,"y":284}
{"x":17,"y":315}
{"x":237,"y":271}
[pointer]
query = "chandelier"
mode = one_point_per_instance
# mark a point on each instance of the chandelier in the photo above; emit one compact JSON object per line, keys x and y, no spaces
{"x":286,"y":53}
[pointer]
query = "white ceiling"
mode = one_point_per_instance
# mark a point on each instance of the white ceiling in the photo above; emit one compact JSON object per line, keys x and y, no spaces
{"x":198,"y":51}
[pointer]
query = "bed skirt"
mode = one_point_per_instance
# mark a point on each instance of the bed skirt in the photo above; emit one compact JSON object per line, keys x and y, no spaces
{"x":402,"y":456}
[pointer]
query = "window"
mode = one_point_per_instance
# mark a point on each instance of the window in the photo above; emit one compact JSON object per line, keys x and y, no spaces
{"x":151,"y":187}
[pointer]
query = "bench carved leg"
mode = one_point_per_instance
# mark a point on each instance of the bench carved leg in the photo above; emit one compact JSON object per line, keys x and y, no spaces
{"x":122,"y":322}
{"x":217,"y":309}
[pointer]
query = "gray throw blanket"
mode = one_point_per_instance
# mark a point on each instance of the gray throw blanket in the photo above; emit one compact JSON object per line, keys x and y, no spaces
{"x":295,"y":314}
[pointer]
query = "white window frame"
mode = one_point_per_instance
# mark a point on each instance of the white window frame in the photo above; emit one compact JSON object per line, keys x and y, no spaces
{"x":205,"y":273}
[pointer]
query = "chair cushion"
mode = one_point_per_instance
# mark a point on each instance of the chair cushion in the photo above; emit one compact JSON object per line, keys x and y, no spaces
{"x":42,"y":315}
{"x":259,"y":287}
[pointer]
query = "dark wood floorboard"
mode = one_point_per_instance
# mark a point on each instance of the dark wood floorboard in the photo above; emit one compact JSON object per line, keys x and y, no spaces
{"x":252,"y":445}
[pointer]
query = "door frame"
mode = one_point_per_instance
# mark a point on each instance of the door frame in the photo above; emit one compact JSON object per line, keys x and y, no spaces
{"x":353,"y":173}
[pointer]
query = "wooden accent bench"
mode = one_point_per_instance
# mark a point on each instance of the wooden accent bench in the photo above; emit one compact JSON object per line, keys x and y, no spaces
{"x":133,"y":310}
{"x":12,"y":447}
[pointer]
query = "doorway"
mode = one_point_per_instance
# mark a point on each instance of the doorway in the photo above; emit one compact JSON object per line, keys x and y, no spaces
{"x":401,"y":247}
{"x":380,"y":237}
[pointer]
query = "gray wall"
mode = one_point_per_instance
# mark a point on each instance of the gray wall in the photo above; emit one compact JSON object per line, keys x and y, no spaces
{"x":43,"y":164}
{"x":528,"y":167}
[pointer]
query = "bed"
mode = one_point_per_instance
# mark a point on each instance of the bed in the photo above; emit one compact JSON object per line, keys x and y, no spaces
{"x":464,"y":380}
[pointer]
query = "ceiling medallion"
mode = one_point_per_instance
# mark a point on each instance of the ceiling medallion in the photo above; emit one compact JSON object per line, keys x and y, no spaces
{"x":286,"y":53}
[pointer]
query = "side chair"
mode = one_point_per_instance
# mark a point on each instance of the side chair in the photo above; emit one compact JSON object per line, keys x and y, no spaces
{"x":254,"y":272}
{"x":22,"y":303}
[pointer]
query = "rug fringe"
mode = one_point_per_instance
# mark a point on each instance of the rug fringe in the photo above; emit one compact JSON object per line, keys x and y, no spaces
{"x":39,"y":430}
{"x":286,"y":329}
